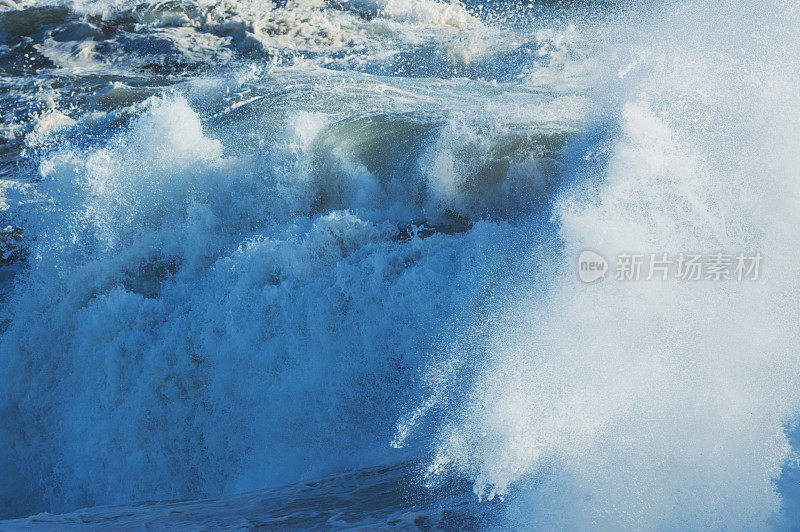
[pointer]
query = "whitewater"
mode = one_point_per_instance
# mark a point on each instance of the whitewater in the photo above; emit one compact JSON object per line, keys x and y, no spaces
{"x":313,"y":264}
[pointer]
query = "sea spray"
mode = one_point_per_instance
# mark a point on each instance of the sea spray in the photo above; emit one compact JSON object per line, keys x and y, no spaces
{"x":276,"y":242}
{"x":653,"y":404}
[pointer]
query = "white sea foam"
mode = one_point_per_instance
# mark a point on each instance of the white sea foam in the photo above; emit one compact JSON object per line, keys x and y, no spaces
{"x":653,"y":405}
{"x":229,"y":303}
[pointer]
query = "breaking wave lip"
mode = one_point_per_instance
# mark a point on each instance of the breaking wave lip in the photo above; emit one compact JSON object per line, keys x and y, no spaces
{"x":302,"y":226}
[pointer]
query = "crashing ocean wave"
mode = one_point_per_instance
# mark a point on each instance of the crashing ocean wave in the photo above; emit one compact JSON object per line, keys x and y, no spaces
{"x":245,"y":244}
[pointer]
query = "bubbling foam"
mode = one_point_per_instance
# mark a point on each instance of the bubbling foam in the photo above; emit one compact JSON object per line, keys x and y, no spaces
{"x":210,"y":319}
{"x":646,"y":404}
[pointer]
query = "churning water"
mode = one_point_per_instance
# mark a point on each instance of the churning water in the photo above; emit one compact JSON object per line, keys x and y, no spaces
{"x":252,"y":244}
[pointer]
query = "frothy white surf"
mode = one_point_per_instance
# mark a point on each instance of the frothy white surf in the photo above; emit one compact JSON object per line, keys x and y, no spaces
{"x":655,"y":405}
{"x":209,"y":322}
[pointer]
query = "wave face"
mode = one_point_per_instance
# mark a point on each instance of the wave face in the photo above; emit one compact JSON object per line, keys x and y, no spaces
{"x":252,"y":243}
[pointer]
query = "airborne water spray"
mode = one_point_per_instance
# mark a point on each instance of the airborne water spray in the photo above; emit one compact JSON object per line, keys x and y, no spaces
{"x":651,"y":405}
{"x":222,"y":293}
